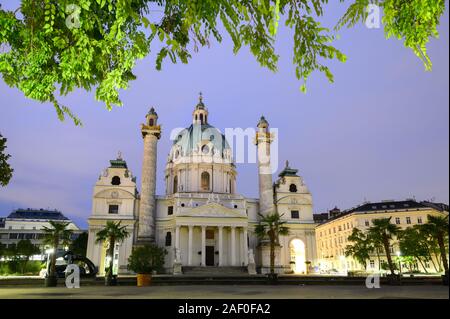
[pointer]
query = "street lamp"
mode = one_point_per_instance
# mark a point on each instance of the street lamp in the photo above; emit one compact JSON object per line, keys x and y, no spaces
{"x":399,"y":262}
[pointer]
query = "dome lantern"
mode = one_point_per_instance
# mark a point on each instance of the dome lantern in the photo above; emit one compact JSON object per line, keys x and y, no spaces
{"x":200,"y":114}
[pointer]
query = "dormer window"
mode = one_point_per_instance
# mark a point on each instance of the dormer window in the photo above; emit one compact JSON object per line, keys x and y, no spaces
{"x":115,"y":180}
{"x":293,"y":188}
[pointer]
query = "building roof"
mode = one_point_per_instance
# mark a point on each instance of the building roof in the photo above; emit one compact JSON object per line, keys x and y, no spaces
{"x":118,"y":162}
{"x":391,"y":205}
{"x":37,"y":214}
{"x":319,"y":218}
{"x":287,"y":171}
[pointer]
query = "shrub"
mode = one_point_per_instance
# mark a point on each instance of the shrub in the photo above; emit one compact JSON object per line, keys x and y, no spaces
{"x":146,"y":259}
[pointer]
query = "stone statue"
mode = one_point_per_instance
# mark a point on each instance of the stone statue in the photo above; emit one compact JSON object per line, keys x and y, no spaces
{"x":177,"y":255}
{"x":251,"y":256}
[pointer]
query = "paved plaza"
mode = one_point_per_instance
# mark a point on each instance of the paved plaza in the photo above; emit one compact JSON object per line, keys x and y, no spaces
{"x":228,"y":292}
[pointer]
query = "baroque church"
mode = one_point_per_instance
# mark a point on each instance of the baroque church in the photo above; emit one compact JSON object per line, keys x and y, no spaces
{"x":201,"y":220}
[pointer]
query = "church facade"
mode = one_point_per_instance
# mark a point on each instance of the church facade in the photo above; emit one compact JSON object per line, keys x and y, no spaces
{"x":201,"y":220}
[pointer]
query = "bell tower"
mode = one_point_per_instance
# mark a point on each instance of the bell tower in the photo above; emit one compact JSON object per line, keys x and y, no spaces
{"x":151,"y":132}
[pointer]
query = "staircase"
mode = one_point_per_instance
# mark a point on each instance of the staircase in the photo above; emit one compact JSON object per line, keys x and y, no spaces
{"x":212,"y":271}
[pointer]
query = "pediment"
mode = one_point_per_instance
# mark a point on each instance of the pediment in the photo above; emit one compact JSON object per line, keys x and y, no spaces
{"x":297,"y":199}
{"x":213,"y":210}
{"x":114,"y":193}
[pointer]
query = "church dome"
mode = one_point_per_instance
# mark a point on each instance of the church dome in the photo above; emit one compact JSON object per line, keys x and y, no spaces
{"x":200,"y":139}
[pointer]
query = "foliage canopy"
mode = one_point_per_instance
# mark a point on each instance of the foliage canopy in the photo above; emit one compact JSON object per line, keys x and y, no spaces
{"x":49,"y":48}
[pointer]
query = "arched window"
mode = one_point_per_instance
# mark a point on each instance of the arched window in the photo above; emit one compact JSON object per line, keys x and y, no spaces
{"x":115,"y":180}
{"x":201,"y":118}
{"x":293,"y":188}
{"x":196,"y":117}
{"x":150,"y":122}
{"x":168,"y":239}
{"x":205,"y":181}
{"x":175,"y":184}
{"x":231,"y":191}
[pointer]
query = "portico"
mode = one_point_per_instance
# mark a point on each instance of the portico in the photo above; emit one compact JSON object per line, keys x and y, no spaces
{"x":212,"y":244}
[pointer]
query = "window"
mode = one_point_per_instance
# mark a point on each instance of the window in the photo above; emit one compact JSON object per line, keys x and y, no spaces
{"x":175,"y":184}
{"x":367,"y":223}
{"x":113,"y":209}
{"x":340,"y":228}
{"x":150,"y":122}
{"x":29,"y":236}
{"x":168,"y":239}
{"x":295,"y":214}
{"x":115,"y":180}
{"x":372,"y":264}
{"x":170,"y":210}
{"x":209,"y":234}
{"x":235,"y":206}
{"x":408,"y":220}
{"x":13,"y":235}
{"x":293,"y":188}
{"x":397,"y":220}
{"x":419,"y":220}
{"x":205,"y":149}
{"x":205,"y":181}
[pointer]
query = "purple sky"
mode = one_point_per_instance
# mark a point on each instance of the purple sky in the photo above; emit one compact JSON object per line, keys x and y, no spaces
{"x":381,"y":131}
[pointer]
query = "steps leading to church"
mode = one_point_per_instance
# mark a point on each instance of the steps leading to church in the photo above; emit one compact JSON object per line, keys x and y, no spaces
{"x":215,"y":271}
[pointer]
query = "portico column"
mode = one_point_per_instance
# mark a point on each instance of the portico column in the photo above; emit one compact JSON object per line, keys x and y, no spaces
{"x":191,"y":228}
{"x":233,"y":246}
{"x":177,"y":237}
{"x":245,"y":245}
{"x":203,"y":245}
{"x":220,"y":245}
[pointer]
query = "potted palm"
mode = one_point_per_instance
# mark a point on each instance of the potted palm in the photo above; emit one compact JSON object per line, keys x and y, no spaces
{"x":112,"y":233}
{"x":54,"y":236}
{"x":270,"y":228}
{"x":144,"y":260}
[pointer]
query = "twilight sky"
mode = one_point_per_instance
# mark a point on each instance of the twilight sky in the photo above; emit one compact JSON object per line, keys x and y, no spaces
{"x":381,"y":131}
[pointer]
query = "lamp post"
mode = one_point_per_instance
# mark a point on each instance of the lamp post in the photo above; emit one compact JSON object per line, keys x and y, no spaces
{"x":399,"y":262}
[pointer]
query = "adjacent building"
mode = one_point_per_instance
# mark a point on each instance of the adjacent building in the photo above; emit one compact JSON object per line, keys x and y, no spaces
{"x":22,"y":224}
{"x":332,"y":234}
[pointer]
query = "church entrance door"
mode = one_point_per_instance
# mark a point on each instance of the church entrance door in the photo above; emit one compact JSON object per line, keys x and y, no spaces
{"x":209,"y":258}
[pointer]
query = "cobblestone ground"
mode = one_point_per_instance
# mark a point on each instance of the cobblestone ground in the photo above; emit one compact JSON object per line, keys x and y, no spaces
{"x":228,"y":292}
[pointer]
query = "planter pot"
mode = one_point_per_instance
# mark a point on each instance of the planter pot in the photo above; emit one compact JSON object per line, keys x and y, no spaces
{"x":51,"y":281}
{"x":143,"y":280}
{"x":111,"y":281}
{"x":273,"y":278}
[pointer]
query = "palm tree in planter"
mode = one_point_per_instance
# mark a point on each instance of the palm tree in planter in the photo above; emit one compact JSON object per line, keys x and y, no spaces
{"x":144,"y":260}
{"x":112,"y":233}
{"x":54,"y":236}
{"x":271,"y":227}
{"x":437,"y":228}
{"x":381,"y":233}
